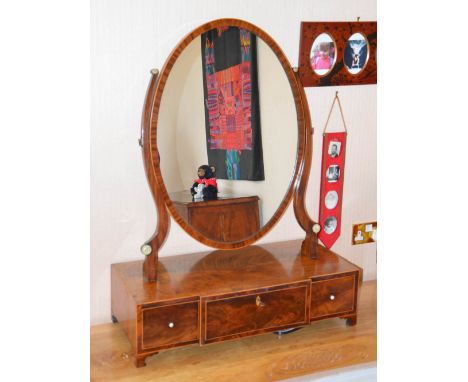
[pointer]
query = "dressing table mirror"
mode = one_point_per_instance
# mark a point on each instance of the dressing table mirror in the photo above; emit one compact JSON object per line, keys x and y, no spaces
{"x":228,"y":98}
{"x":252,"y":136}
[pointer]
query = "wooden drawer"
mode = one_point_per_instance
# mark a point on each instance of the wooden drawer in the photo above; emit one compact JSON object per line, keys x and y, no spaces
{"x":226,"y":222}
{"x":169,"y":325}
{"x":333,"y":297}
{"x":223,"y":219}
{"x":237,"y":315}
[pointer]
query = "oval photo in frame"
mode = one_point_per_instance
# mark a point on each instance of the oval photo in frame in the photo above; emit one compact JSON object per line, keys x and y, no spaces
{"x":330,"y":225}
{"x":356,"y":53}
{"x":331,"y":200}
{"x":323,"y":54}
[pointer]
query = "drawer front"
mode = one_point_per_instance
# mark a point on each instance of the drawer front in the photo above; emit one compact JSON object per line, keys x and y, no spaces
{"x":170,"y":325}
{"x":227,"y":317}
{"x":226,"y":223}
{"x":332,"y":297}
{"x":240,"y":221}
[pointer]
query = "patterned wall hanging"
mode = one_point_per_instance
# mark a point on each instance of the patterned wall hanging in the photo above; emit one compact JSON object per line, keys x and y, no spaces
{"x":331,"y":186}
{"x":232,"y":112}
{"x":338,"y":53}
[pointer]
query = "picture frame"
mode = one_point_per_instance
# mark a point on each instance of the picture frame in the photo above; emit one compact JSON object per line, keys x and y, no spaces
{"x":342,"y":72}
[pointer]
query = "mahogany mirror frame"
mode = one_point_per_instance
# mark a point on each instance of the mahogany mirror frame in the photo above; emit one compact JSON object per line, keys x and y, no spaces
{"x":298,"y":183}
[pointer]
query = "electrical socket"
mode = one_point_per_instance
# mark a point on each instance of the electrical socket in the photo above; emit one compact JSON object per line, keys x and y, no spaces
{"x":364,"y":233}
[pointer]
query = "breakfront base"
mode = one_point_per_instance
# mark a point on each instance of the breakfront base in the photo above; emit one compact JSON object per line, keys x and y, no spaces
{"x":217,"y":296}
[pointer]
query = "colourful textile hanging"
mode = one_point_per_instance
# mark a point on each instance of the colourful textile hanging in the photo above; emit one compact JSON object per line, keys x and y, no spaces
{"x":232,"y":112}
{"x":331,"y":186}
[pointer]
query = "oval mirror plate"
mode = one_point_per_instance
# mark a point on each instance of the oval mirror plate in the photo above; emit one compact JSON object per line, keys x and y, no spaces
{"x":220,"y":102}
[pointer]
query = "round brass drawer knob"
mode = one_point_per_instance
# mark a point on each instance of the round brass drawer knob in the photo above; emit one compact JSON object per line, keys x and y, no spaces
{"x":332,"y":297}
{"x":171,"y":324}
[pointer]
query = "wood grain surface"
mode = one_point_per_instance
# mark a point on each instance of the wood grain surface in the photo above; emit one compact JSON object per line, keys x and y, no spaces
{"x":322,"y":346}
{"x":309,"y":245}
{"x":224,"y":219}
{"x":275,"y":272}
{"x":161,"y":231}
{"x":219,"y":272}
{"x":255,"y":312}
{"x":340,"y":33}
{"x":171,"y":324}
{"x":335,"y":296}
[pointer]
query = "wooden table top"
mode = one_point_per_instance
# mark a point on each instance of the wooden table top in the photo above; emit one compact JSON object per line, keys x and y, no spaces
{"x":321,"y":346}
{"x":226,"y":271}
{"x":186,"y":198}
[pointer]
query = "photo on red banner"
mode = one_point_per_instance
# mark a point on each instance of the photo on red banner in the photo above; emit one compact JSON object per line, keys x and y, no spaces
{"x":331,"y":187}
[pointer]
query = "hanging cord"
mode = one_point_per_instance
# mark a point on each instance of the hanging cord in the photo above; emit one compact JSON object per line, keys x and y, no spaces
{"x":341,"y":112}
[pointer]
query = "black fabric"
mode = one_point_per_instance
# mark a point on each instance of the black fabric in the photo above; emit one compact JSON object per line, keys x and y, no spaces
{"x":228,"y":53}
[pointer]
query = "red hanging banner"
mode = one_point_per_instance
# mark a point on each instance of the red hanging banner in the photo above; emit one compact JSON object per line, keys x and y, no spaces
{"x":331,"y":186}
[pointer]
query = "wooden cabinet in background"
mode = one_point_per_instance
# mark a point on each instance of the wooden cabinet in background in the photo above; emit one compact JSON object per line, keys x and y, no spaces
{"x":225,"y":219}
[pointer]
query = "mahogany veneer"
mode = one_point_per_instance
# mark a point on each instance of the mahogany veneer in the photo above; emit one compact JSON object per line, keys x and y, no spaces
{"x":340,"y":32}
{"x":226,"y":219}
{"x":221,"y":295}
{"x":169,"y":324}
{"x":232,"y":316}
{"x":333,"y":297}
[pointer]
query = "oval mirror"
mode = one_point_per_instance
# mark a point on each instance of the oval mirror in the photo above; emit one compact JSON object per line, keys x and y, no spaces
{"x":226,"y":124}
{"x":323,"y":54}
{"x":356,"y":53}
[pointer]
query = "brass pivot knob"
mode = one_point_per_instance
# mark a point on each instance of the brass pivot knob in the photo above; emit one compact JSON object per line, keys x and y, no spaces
{"x":171,"y":324}
{"x":259,"y":302}
{"x":332,"y":297}
{"x":316,"y":228}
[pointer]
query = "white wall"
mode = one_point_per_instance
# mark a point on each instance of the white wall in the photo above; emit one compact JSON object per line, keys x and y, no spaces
{"x":181,"y":147}
{"x":129,"y":38}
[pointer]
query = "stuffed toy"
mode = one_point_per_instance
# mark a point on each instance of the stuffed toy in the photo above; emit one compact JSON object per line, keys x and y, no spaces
{"x":205,"y":187}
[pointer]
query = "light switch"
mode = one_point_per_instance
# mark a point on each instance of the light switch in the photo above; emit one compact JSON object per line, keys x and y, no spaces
{"x":364,"y":233}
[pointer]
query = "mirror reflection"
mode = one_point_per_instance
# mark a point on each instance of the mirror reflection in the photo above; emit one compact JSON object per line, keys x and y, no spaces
{"x":323,"y":54}
{"x":356,"y":53}
{"x":227,"y":134}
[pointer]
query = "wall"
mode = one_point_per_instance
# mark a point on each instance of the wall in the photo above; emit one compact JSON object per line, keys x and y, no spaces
{"x":128,"y":38}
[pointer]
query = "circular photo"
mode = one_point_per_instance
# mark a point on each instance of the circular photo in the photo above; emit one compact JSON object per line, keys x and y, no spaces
{"x":330,"y":225}
{"x":323,"y":54}
{"x":333,"y":173}
{"x":331,"y":199}
{"x":356,"y":53}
